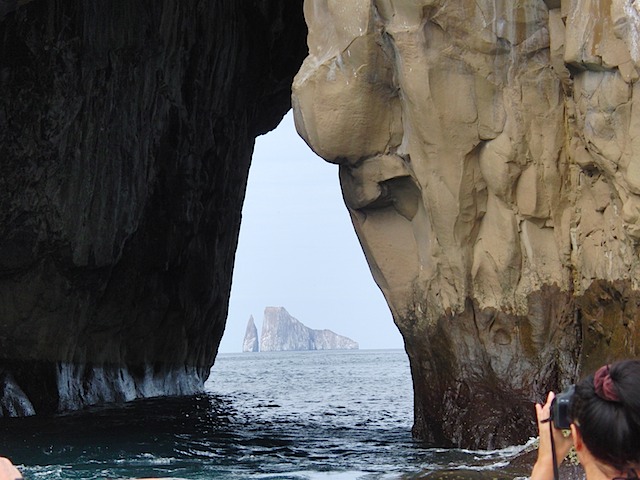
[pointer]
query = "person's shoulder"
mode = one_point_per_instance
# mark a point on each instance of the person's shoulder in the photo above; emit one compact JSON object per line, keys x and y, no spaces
{"x":8,"y":471}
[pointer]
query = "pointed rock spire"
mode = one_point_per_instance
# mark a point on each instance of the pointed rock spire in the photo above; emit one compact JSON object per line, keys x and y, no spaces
{"x":250,"y":343}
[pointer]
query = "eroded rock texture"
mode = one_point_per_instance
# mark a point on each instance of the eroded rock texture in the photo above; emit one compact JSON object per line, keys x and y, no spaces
{"x":489,"y":155}
{"x":126,"y":131}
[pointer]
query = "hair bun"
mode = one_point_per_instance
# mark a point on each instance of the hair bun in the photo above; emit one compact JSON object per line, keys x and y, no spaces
{"x":604,"y":386}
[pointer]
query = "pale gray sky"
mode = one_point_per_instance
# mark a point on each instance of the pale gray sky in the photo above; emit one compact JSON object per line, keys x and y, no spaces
{"x":298,"y":249}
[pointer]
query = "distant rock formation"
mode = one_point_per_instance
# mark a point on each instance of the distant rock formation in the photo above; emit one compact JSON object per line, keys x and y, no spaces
{"x":282,"y":332}
{"x":250,"y":343}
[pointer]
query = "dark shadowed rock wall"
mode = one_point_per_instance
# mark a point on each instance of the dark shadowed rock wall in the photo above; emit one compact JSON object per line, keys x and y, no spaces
{"x":126,"y":132}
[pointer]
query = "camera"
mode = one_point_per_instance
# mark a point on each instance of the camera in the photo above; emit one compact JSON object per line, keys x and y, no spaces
{"x":561,"y":408}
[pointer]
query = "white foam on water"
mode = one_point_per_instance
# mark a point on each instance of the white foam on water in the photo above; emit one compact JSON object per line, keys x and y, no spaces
{"x":507,"y":452}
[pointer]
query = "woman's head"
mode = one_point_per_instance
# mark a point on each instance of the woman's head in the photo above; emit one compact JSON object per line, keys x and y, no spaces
{"x":606,"y":410}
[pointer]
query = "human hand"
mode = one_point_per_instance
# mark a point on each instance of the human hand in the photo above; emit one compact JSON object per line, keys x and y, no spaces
{"x":543,"y":469}
{"x":8,"y":471}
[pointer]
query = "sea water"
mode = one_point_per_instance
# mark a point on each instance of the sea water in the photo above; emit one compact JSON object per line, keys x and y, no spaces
{"x":330,"y":415}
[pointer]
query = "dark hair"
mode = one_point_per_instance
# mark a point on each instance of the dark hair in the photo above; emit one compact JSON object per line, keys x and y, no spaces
{"x":610,"y":427}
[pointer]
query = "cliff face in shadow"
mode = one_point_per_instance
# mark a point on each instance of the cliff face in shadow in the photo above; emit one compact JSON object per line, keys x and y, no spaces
{"x":488,"y":157}
{"x":126,"y":132}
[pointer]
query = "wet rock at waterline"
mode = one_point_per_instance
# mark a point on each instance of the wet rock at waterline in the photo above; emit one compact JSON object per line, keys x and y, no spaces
{"x":126,"y":132}
{"x":489,"y":158}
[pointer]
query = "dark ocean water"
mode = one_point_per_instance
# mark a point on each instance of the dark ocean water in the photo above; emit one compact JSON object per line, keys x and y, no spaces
{"x":330,"y":415}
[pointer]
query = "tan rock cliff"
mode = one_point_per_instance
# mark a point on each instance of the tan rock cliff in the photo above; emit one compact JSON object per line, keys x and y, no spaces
{"x":489,"y":156}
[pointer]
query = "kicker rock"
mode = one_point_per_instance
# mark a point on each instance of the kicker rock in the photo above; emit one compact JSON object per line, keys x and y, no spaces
{"x":282,"y":332}
{"x":251,"y":343}
{"x":489,"y":156}
{"x":126,"y":134}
